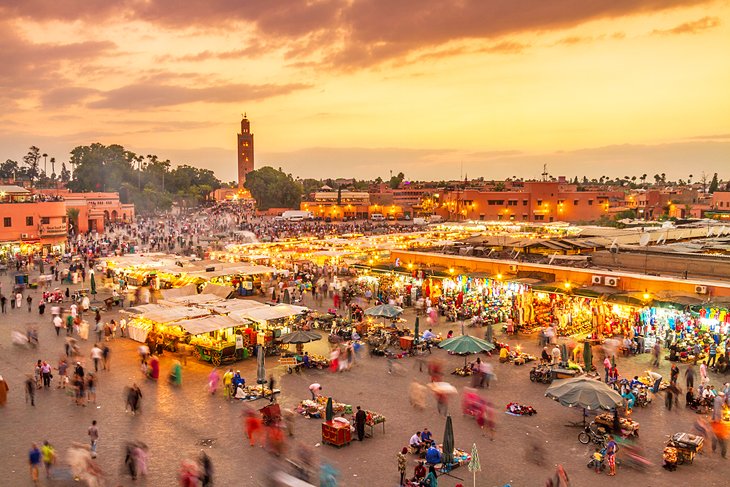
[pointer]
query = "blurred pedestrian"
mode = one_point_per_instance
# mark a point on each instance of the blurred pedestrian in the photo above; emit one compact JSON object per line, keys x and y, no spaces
{"x":134,"y":394}
{"x":3,"y":391}
{"x":93,"y":433}
{"x":34,"y":460}
{"x":30,"y":388}
{"x":401,"y":459}
{"x":48,"y":454}
{"x":252,"y":425}
{"x":188,"y":475}
{"x":206,"y":470}
{"x":213,"y":381}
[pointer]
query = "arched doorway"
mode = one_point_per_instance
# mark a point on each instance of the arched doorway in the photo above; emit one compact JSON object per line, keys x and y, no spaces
{"x":114,"y":215}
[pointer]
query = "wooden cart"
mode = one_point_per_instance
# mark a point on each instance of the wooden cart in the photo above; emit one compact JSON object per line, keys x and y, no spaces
{"x":336,"y":434}
{"x":687,"y":446}
{"x":218,"y":356}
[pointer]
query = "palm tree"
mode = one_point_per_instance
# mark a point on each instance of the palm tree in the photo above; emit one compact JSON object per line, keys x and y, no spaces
{"x":53,"y":168}
{"x":45,"y":163}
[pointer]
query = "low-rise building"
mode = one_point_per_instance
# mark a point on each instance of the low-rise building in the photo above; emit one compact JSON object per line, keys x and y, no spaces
{"x":94,"y":209}
{"x":31,"y":223}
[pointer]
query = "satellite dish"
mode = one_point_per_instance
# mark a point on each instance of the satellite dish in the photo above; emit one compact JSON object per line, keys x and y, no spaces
{"x":644,"y":240}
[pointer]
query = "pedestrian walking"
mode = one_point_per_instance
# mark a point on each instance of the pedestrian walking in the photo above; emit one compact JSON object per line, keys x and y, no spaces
{"x":130,"y":462}
{"x":30,"y":387}
{"x":91,"y":387}
{"x":134,"y":395}
{"x":29,"y":300}
{"x":206,"y":470}
{"x":34,"y":460}
{"x":48,"y":455}
{"x":97,"y":354}
{"x":689,"y":376}
{"x":3,"y":391}
{"x":93,"y":433}
{"x":401,"y":459}
{"x":253,"y":426}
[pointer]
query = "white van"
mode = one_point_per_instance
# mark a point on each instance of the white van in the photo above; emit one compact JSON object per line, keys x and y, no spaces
{"x":435,"y":219}
{"x":377,"y":217}
{"x":297,"y":215}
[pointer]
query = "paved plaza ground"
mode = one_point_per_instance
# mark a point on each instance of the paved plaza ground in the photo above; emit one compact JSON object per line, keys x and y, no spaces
{"x":174,"y":421}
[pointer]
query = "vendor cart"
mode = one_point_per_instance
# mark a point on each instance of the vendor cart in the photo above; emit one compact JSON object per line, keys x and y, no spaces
{"x":271,"y":414}
{"x":218,"y":355}
{"x":687,"y":446}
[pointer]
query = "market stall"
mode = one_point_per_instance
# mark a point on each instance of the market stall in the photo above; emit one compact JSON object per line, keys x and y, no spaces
{"x":217,"y":339}
{"x":156,"y":318}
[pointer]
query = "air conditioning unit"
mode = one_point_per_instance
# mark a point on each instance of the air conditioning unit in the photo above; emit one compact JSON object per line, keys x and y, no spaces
{"x":513,"y":268}
{"x":24,"y":235}
{"x":701,"y":289}
{"x":596,"y":279}
{"x":611,"y":281}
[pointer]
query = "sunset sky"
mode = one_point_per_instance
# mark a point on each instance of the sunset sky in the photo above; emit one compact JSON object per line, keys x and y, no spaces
{"x":338,"y":88}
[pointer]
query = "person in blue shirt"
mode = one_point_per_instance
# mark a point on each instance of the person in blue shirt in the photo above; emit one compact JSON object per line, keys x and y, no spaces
{"x":433,"y":456}
{"x":426,"y":436}
{"x":428,"y":335}
{"x":305,"y":359}
{"x":237,"y":379}
{"x":34,"y":459}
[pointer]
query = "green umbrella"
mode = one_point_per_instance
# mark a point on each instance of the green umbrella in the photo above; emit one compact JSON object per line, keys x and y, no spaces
{"x":448,"y":454}
{"x":93,"y":285}
{"x":415,"y":331}
{"x":588,"y":355}
{"x":329,"y":413}
{"x":474,"y":465}
{"x":584,"y":393}
{"x":466,"y":344}
{"x":260,"y":368}
{"x":384,"y":311}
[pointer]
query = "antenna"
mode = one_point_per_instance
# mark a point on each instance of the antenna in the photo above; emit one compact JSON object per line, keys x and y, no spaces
{"x":544,"y":172}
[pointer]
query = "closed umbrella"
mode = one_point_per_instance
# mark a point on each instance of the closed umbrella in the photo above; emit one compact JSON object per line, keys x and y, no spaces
{"x":416,"y":337}
{"x":490,"y":333}
{"x":587,"y":356}
{"x":287,"y":297}
{"x":448,"y":453}
{"x":474,"y":465}
{"x":93,"y":286}
{"x":260,"y":368}
{"x":329,"y":413}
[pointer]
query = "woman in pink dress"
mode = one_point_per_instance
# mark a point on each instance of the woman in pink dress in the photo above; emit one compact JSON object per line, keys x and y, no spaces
{"x":213,"y":380}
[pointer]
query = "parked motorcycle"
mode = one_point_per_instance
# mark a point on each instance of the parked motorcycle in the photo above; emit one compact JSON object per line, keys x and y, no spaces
{"x":593,"y":433}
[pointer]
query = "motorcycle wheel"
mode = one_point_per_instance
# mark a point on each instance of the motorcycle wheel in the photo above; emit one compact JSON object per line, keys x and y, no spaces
{"x":584,"y":438}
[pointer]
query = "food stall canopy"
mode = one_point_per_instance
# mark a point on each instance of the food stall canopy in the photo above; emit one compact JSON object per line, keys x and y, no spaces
{"x":168,"y":315}
{"x":595,"y":291}
{"x":550,"y":287}
{"x":218,"y":290}
{"x":240,"y":270}
{"x":269,"y":313}
{"x":204,"y":298}
{"x":231,"y":305}
{"x":170,"y":294}
{"x":146,"y":308}
{"x":207,"y":324}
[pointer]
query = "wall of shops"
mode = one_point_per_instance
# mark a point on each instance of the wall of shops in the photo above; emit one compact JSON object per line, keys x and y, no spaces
{"x":706,"y":267}
{"x":576,"y":277}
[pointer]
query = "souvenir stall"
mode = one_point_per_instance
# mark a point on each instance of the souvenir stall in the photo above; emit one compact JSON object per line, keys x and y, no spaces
{"x":217,"y":339}
{"x":316,"y":410}
{"x":159,"y":321}
{"x":491,"y":299}
{"x":271,"y":322}
{"x":244,"y":279}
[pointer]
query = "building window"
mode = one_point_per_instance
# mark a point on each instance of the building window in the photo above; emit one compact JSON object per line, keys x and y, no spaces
{"x":7,"y":222}
{"x":539,"y":202}
{"x":590,"y":202}
{"x":560,"y":202}
{"x":512,"y":203}
{"x":524,"y":202}
{"x":525,"y":216}
{"x":45,"y":220}
{"x":495,"y":202}
{"x":512,"y":217}
{"x":499,"y":217}
{"x":63,"y":219}
{"x":28,"y":221}
{"x":539,"y":217}
{"x":575,"y":202}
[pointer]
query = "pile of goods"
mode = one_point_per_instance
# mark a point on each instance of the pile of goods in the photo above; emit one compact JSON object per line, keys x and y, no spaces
{"x":254,"y":392}
{"x":516,"y":409}
{"x":628,"y":427}
{"x":670,"y":457}
{"x":316,"y":409}
{"x":463,"y":371}
{"x":373,"y":418}
{"x":318,"y":361}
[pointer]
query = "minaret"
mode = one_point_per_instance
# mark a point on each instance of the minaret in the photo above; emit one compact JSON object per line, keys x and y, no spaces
{"x":245,"y":151}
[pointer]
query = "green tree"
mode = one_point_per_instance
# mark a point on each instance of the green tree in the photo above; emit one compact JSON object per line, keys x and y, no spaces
{"x":310,"y":186}
{"x":396,"y":181}
{"x":9,"y":169}
{"x":714,"y":184}
{"x":65,"y":173}
{"x":32,"y":160}
{"x":273,"y":188}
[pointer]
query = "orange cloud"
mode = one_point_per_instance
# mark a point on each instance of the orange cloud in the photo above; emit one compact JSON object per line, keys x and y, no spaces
{"x":694,"y":27}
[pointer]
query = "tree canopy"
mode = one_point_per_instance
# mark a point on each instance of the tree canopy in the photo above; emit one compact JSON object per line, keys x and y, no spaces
{"x":146,"y":181}
{"x":272,"y":188}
